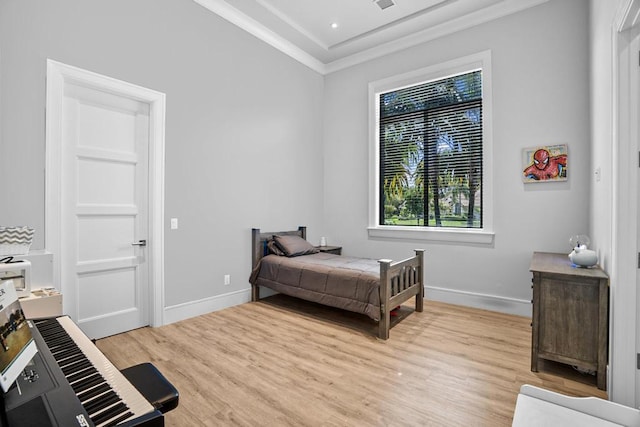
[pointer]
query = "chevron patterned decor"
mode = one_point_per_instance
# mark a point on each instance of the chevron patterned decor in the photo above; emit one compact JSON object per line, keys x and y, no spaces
{"x":15,"y":240}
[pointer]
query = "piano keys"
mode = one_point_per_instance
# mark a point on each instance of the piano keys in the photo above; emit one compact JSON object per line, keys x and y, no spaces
{"x":75,"y":384}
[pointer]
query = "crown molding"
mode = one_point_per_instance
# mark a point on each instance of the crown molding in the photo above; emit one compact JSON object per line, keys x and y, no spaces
{"x":462,"y":23}
{"x":250,"y":25}
{"x":231,"y":14}
{"x":628,"y":15}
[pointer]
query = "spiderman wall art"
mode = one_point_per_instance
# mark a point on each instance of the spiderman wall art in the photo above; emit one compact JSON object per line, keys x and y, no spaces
{"x":545,"y":164}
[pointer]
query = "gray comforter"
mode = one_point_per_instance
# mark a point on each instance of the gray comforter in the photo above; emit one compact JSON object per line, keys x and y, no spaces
{"x":337,"y":281}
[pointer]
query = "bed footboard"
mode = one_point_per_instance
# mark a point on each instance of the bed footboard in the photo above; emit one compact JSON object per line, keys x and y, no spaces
{"x":399,"y":281}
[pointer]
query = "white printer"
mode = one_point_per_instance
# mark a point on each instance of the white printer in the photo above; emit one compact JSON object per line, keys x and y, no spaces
{"x":19,"y":272}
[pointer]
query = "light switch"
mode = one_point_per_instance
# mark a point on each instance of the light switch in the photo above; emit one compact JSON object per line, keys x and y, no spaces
{"x":174,"y":223}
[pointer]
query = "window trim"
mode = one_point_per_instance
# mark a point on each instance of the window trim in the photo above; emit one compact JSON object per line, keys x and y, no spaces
{"x":484,"y":235}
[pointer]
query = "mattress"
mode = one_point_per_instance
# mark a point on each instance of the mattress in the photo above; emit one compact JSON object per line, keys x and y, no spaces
{"x":338,"y":281}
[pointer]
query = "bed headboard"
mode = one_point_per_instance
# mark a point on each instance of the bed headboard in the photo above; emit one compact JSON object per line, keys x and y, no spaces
{"x":259,"y":241}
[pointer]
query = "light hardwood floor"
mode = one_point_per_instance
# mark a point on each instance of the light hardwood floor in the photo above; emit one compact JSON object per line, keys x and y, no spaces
{"x":285,"y":362}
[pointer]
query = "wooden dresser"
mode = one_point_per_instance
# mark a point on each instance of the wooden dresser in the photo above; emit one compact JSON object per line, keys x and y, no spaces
{"x":570,"y":314}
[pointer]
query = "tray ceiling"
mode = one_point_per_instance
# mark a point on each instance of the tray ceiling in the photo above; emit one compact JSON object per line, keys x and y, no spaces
{"x":328,"y":35}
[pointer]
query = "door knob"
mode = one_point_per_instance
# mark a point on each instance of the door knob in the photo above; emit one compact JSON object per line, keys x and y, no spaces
{"x":140,"y":243}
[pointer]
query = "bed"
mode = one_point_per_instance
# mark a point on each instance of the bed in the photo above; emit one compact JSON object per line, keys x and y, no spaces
{"x":374,"y":288}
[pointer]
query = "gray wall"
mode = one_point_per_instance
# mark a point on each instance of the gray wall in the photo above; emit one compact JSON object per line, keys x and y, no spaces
{"x":243,"y":125}
{"x":255,"y":139}
{"x":540,"y":96}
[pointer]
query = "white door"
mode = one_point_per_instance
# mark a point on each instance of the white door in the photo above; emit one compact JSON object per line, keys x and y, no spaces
{"x":104,"y":207}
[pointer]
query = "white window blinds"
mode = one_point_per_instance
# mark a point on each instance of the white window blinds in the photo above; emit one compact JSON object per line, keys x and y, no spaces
{"x":431,"y":153}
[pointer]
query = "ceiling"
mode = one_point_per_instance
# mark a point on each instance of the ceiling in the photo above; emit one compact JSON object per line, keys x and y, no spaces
{"x":328,"y":35}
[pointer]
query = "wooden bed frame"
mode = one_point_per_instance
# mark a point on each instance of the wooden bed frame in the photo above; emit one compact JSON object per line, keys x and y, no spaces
{"x":399,"y":280}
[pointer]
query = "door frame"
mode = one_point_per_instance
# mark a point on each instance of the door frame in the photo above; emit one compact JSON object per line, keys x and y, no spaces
{"x":624,"y":341}
{"x":58,"y":74}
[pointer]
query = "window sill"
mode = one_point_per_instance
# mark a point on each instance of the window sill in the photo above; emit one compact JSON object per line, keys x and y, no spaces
{"x":451,"y":235}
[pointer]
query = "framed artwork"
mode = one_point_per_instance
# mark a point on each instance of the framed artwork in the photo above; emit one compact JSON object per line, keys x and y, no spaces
{"x":547,"y":163}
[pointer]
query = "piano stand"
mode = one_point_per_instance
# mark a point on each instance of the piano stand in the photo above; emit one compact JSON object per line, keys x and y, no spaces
{"x":153,"y":386}
{"x":32,"y":413}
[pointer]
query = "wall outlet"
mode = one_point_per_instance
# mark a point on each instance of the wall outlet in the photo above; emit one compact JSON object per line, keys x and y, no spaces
{"x":174,"y":223}
{"x":227,"y":279}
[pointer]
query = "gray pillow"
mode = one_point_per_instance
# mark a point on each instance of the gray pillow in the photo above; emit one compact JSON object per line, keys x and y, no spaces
{"x":294,"y":245}
{"x":274,"y":249}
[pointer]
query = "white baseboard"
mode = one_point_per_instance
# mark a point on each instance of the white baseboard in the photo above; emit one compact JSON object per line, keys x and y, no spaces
{"x":178,"y":312}
{"x":487,"y":302}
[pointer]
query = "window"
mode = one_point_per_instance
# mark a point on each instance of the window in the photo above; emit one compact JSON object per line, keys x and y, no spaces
{"x":431,"y":153}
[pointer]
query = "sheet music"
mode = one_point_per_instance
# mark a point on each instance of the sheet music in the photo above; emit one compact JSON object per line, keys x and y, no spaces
{"x":17,"y":346}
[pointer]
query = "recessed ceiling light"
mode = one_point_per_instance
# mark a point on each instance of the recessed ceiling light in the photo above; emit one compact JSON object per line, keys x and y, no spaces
{"x":334,"y":25}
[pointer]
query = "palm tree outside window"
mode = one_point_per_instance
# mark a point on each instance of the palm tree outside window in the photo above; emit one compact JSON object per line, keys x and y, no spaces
{"x":431,"y":153}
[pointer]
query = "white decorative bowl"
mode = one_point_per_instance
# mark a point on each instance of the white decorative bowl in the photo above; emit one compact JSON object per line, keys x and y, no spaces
{"x":583,"y":257}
